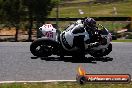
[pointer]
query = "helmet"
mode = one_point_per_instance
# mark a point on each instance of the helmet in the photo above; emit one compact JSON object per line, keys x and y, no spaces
{"x":90,"y":22}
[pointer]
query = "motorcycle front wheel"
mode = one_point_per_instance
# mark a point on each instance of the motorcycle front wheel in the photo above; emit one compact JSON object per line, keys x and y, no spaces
{"x":42,"y":47}
{"x":101,"y":53}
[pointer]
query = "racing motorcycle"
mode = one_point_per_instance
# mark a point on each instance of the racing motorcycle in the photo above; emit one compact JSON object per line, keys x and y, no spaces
{"x":54,"y":42}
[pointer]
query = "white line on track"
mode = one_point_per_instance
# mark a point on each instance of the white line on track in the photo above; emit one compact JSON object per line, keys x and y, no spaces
{"x":42,"y":81}
{"x":37,"y":81}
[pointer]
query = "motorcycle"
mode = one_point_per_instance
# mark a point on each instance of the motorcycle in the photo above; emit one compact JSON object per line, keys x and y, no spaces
{"x":54,"y":42}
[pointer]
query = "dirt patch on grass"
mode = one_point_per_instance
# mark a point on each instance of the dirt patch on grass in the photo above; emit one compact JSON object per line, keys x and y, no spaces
{"x":8,"y":35}
{"x":6,"y":31}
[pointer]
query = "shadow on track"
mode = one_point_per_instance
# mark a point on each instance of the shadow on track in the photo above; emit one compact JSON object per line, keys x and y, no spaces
{"x":75,"y":60}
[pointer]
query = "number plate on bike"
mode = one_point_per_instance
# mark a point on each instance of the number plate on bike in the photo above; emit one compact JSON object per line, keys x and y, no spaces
{"x":49,"y":31}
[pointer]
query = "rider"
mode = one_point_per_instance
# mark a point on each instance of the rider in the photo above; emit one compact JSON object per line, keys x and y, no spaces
{"x":90,"y":26}
{"x":78,"y":33}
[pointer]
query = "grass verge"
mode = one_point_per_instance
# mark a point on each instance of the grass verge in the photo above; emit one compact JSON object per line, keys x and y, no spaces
{"x":64,"y":85}
{"x":124,"y":40}
{"x":94,"y":10}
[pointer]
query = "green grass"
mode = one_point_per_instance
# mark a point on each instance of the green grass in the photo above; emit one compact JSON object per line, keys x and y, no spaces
{"x":77,"y":1}
{"x":97,"y":10}
{"x":63,"y":85}
{"x":122,"y":40}
{"x":113,"y":26}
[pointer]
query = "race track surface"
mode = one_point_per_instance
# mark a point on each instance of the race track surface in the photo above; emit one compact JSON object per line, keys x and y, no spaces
{"x":18,"y":64}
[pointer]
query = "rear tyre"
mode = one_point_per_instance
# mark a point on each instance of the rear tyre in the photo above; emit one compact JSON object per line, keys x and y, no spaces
{"x":42,"y":47}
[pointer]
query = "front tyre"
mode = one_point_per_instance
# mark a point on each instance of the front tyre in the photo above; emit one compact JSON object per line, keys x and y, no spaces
{"x":102,"y":52}
{"x":42,"y":47}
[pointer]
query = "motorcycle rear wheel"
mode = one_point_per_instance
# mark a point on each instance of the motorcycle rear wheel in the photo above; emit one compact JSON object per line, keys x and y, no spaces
{"x":42,"y":47}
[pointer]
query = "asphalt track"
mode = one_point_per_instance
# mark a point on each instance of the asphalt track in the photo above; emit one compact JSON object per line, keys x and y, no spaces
{"x":18,"y":64}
